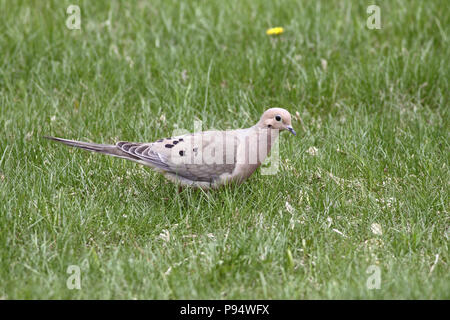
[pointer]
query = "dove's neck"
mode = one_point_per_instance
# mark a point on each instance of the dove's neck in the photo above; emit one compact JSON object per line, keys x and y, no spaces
{"x":256,"y":143}
{"x":265,"y":137}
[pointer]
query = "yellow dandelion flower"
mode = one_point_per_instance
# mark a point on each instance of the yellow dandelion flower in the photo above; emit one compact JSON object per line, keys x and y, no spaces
{"x":274,"y":31}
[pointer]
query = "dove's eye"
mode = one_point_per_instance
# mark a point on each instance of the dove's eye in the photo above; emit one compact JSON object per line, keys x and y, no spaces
{"x":278,"y":118}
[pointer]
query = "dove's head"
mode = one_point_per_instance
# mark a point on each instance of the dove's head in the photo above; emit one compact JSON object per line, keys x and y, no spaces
{"x":276,"y":118}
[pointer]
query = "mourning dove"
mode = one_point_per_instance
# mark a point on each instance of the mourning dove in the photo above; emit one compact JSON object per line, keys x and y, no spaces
{"x":206,"y":159}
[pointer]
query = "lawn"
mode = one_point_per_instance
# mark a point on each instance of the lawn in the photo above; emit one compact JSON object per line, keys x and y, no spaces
{"x":362,"y":191}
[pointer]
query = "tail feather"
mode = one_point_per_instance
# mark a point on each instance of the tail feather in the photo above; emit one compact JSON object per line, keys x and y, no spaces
{"x":108,"y":149}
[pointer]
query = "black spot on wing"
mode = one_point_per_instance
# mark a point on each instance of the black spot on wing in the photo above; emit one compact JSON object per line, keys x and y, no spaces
{"x":169,"y":145}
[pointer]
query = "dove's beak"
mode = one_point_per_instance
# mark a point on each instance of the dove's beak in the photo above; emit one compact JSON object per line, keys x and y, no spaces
{"x":291,"y":130}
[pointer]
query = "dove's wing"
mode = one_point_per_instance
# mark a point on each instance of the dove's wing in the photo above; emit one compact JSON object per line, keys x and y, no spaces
{"x":199,"y":157}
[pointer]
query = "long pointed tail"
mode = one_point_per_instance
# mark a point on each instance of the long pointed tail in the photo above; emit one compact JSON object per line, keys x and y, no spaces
{"x":108,"y":149}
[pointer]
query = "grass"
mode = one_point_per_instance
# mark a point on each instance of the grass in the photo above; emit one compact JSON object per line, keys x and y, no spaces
{"x":378,"y":115}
